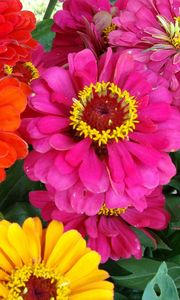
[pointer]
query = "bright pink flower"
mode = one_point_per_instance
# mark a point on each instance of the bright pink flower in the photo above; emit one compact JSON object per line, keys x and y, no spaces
{"x":108,"y":232}
{"x":103,"y":132}
{"x":151,"y":24}
{"x":81,"y":24}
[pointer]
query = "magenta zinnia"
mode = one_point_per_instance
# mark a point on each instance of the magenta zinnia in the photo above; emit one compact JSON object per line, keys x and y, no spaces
{"x":109,"y":232}
{"x":82,"y":24}
{"x":153,"y":25}
{"x":102,"y":132}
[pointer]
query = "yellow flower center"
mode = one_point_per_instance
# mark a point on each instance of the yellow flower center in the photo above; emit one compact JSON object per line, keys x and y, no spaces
{"x":109,"y":212}
{"x":8,"y":69}
{"x":37,"y":282}
{"x":25,"y":72}
{"x":34,"y":71}
{"x":172,"y":31}
{"x":104,"y":112}
{"x":107,"y":31}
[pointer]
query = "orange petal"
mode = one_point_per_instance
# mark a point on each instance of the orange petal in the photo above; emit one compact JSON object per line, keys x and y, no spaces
{"x":9,"y":118}
{"x":7,"y":81}
{"x":8,"y":160}
{"x":14,"y":96}
{"x":20,"y":146}
{"x":2,"y":175}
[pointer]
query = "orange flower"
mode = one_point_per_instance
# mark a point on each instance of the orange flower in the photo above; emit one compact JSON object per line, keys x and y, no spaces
{"x":13,"y":99}
{"x":16,"y":26}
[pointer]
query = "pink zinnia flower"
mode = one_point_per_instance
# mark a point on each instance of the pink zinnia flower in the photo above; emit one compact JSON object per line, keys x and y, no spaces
{"x":154,"y":25}
{"x":81,"y":24}
{"x":109,"y":232}
{"x":103,"y":132}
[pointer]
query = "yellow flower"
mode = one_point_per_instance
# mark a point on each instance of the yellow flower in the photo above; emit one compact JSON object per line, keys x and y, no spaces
{"x":48,"y":264}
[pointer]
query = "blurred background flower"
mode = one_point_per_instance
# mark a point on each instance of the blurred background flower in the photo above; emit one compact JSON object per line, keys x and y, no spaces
{"x":38,"y":7}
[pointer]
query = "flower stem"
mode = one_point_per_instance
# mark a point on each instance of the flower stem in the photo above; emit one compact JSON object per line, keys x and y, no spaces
{"x":50,"y":8}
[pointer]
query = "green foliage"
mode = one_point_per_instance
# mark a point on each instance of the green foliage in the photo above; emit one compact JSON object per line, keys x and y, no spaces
{"x":142,"y":271}
{"x":43,"y":33}
{"x":161,"y":287}
{"x":14,"y":204}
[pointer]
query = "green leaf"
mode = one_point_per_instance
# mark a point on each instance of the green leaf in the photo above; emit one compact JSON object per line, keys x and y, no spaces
{"x":19,"y":211}
{"x":43,"y":33}
{"x":147,"y":242}
{"x":16,"y":187}
{"x":175,"y":183}
{"x":118,"y":296}
{"x":173,"y":206}
{"x":142,"y":271}
{"x":161,"y":287}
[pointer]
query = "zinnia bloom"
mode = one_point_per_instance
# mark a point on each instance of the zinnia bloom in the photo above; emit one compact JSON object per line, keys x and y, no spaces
{"x":102,"y":132}
{"x":49,"y":264}
{"x":26,"y":71}
{"x":13,"y":100}
{"x":109,"y":232}
{"x":16,"y":26}
{"x":81,"y":24}
{"x":153,"y":25}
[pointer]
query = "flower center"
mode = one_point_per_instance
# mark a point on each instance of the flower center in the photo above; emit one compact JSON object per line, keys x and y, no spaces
{"x":106,"y":31}
{"x":109,"y":212}
{"x":37,"y":283}
{"x":26,"y":72}
{"x":172,"y":30}
{"x":104,"y":112}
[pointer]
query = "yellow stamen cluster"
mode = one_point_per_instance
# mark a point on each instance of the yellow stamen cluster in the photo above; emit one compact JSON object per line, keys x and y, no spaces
{"x":109,"y":212}
{"x":107,"y":31}
{"x":8,"y":69}
{"x":128,"y":105}
{"x":19,"y":278}
{"x":34,"y":71}
{"x":172,"y":30}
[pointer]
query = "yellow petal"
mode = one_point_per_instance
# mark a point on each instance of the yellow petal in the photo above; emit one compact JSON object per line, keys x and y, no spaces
{"x":84,"y":266}
{"x":65,"y":243}
{"x":18,"y":239}
{"x":72,"y":256}
{"x":106,"y":285}
{"x":3,"y":276}
{"x":5,"y":263}
{"x":99,"y":294}
{"x":5,"y":223}
{"x":38,"y":227}
{"x":94,"y":276}
{"x":3,"y":291}
{"x":53,"y":233}
{"x":7,"y":248}
{"x":34,"y":240}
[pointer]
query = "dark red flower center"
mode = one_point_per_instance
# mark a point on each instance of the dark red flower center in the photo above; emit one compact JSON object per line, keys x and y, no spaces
{"x":104,"y":112}
{"x":25,"y":72}
{"x":39,"y":289}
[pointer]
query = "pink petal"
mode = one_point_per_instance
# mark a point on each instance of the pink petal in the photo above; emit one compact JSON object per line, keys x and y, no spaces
{"x":60,"y":82}
{"x":159,"y":55}
{"x":115,"y":164}
{"x":93,"y":174}
{"x":62,"y":165}
{"x":147,"y":155}
{"x":76,"y":154}
{"x":157,"y":112}
{"x":52,"y":124}
{"x":61,"y":182}
{"x":83,"y":67}
{"x":61,"y":142}
{"x":124,"y":66}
